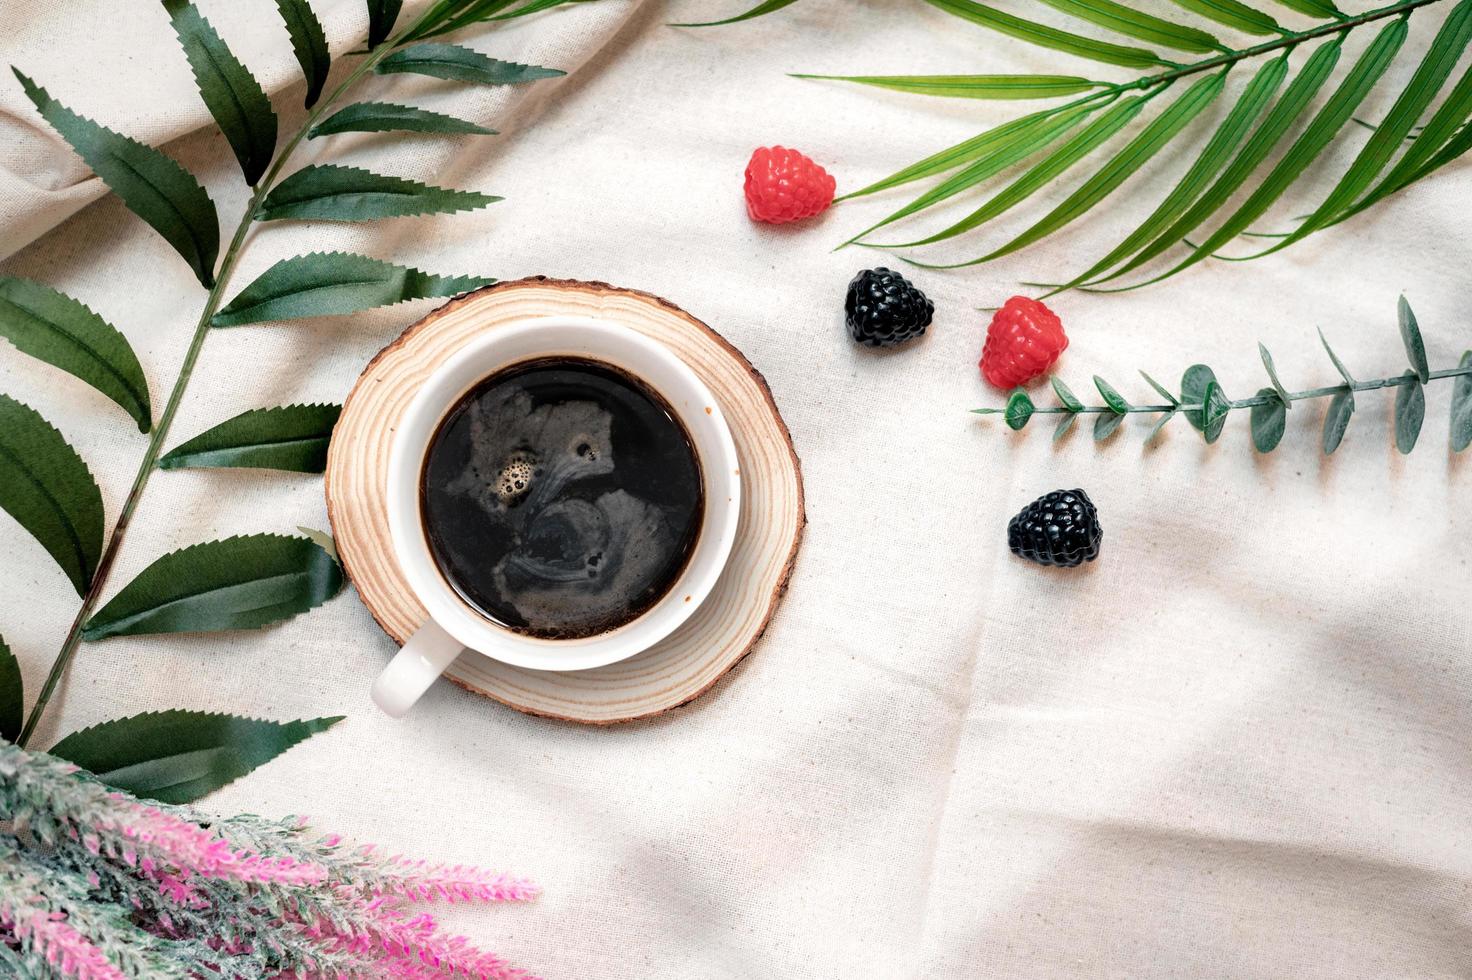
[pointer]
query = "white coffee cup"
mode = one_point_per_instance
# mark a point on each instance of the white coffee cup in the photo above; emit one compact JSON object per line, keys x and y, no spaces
{"x":454,"y":626}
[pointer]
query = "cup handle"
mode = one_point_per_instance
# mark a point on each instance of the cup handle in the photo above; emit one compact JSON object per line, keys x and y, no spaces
{"x":414,"y":668}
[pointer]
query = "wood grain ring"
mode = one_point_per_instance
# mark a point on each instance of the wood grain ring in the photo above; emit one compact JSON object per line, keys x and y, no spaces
{"x":728,"y":624}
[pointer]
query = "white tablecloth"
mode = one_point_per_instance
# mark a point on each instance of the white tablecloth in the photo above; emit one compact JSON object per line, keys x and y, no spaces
{"x":1236,"y":746}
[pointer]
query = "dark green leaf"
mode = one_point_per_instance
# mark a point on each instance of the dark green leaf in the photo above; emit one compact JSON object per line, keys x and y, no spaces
{"x":381,"y":17}
{"x":1104,"y":426}
{"x":1163,"y":391}
{"x":1031,"y":134}
{"x":385,"y":117}
{"x":1050,"y":37}
{"x":229,"y":90}
{"x":1044,"y":172}
{"x":1159,"y":425}
{"x":1065,"y":426}
{"x":762,"y":8}
{"x":1410,"y":334}
{"x":308,"y":43}
{"x":1410,"y":412}
{"x":1233,"y":14}
{"x":1219,"y":149}
{"x":1112,"y":398}
{"x":972,"y":86}
{"x":455,"y":63}
{"x":65,"y":333}
{"x":1019,"y":409}
{"x":322,"y":540}
{"x":1338,"y":364}
{"x":12,"y":695}
{"x":179,"y":756}
{"x":1139,"y":25}
{"x":237,"y":583}
{"x":1134,"y":155}
{"x":49,"y":491}
{"x":1267,"y":362}
{"x":334,"y":283}
{"x":1341,"y":407}
{"x":329,"y":192}
{"x":1268,"y":421}
{"x":1461,"y":432}
{"x":153,"y":186}
{"x":1214,"y":415}
{"x":1193,"y":392}
{"x":1065,"y":395}
{"x":292,"y":438}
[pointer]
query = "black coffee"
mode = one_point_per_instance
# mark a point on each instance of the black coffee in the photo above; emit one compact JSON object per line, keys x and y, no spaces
{"x":561,"y":497}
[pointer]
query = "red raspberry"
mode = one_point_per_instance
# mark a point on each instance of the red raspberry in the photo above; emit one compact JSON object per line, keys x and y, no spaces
{"x":785,"y":185}
{"x":1024,"y":340}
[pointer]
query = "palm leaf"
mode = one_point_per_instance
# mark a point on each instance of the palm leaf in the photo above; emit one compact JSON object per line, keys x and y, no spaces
{"x":1228,"y":136}
{"x":954,"y":156}
{"x":762,"y":8}
{"x":1064,"y":157}
{"x":1050,"y":37}
{"x":1388,"y":137}
{"x":1230,"y":13}
{"x":1138,"y":25}
{"x":1007,"y":150}
{"x":973,"y":86}
{"x":1268,"y":138}
{"x":1131,"y":158}
{"x":1329,"y":120}
{"x":1296,"y":97}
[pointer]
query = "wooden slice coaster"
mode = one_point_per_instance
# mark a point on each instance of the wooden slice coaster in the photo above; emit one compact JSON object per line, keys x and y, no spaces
{"x":726,"y":626}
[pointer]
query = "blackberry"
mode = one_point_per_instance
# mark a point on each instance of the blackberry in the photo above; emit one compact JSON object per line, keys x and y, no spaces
{"x":884,"y":309}
{"x":1059,"y":528}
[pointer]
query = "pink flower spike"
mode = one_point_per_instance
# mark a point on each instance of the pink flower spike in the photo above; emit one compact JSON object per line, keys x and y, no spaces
{"x":71,"y":953}
{"x":419,"y":881}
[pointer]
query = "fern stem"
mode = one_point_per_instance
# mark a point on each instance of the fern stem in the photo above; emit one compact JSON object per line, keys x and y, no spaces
{"x":1253,"y":402}
{"x":1289,"y":41}
{"x":181,"y":381}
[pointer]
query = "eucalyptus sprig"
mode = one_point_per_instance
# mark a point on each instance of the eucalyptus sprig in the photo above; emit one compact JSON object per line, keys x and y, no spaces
{"x":1206,"y":406}
{"x":1279,"y":124}
{"x":253,"y":580}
